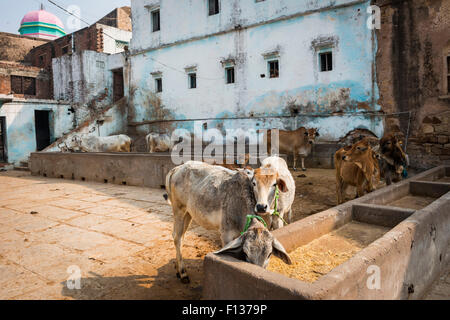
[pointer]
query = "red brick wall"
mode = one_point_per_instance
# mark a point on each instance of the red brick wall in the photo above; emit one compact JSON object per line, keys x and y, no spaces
{"x":90,"y":38}
{"x":42,"y":79}
{"x":16,"y":48}
{"x":118,"y":18}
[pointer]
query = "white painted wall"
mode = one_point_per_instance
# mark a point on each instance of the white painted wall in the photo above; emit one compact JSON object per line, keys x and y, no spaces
{"x":110,"y":35}
{"x":20,"y":125}
{"x":181,"y":20}
{"x":350,"y":87}
{"x":83,"y":79}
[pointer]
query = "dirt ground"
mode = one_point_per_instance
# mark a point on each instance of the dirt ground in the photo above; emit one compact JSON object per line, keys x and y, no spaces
{"x":315,"y":191}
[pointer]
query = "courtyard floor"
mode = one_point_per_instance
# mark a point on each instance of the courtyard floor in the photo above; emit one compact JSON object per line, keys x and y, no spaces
{"x":117,"y":237}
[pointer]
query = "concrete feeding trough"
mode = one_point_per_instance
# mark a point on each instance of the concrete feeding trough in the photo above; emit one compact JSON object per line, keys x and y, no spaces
{"x":390,"y":244}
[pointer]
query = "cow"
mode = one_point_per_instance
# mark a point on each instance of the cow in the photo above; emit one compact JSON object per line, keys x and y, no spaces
{"x":356,"y":166}
{"x":296,"y":142}
{"x":91,"y":143}
{"x":273,"y":174}
{"x":219,"y":199}
{"x":158,"y":142}
{"x":242,"y":163}
{"x":356,"y":135}
{"x":393,"y":160}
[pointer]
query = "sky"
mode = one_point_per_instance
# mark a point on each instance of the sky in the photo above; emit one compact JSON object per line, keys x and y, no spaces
{"x":12,"y":12}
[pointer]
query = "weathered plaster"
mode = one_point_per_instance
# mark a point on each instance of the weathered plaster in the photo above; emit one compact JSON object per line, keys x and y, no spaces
{"x":335,"y":101}
{"x":20,"y":125}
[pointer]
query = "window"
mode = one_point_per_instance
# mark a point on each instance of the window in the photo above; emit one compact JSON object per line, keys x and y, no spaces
{"x":259,"y":0}
{"x":213,"y":7}
{"x":155,"y":21}
{"x":326,"y":61}
{"x":65,"y":50}
{"x":121,"y":44}
{"x":229,"y":74}
{"x":158,"y":84}
{"x":41,"y":60}
{"x":23,"y":85}
{"x":192,"y":80}
{"x":274,"y":69}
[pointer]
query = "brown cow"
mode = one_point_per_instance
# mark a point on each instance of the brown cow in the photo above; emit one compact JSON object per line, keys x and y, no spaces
{"x":296,"y":142}
{"x":393,"y":159}
{"x":242,"y":164}
{"x":356,"y":166}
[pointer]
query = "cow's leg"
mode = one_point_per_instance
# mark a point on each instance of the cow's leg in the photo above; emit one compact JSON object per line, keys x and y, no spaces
{"x":277,"y":223}
{"x":289,"y":216}
{"x":388,"y":178}
{"x":228,"y":236}
{"x":295,"y":161}
{"x":303,"y":164}
{"x":339,"y":191}
{"x":182,"y":219}
{"x":360,"y":190}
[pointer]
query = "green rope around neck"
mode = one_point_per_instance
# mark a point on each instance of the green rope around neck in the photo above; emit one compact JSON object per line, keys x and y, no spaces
{"x":249,"y":221}
{"x":275,"y":208}
{"x":275,"y":213}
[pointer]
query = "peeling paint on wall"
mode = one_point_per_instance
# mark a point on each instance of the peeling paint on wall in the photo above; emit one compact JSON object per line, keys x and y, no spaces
{"x":335,"y":102}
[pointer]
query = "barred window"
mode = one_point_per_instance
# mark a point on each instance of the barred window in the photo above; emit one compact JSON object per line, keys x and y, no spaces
{"x":23,"y":85}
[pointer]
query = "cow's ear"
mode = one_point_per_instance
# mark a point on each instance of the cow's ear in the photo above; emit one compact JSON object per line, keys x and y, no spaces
{"x":279,"y":251}
{"x":232,"y":247}
{"x":306,"y":133}
{"x":282,"y":185}
{"x":359,"y":164}
{"x":317,"y":134}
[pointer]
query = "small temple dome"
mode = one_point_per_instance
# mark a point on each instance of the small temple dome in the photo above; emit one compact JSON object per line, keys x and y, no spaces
{"x":41,"y":24}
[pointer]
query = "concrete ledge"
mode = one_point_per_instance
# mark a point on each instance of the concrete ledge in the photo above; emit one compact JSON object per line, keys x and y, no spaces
{"x":120,"y":168}
{"x":429,"y":189}
{"x":384,"y":216}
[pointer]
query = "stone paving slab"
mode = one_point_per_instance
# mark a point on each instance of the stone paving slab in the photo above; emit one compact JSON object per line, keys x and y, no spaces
{"x":120,"y":238}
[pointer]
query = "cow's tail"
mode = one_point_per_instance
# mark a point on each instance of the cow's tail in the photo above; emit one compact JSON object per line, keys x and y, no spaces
{"x":168,"y":184}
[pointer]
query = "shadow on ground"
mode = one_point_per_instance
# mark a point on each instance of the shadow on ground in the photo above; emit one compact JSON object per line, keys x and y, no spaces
{"x":164,"y":285}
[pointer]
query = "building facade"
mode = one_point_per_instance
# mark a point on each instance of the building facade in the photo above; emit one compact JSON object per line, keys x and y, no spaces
{"x":48,"y":89}
{"x":253,"y":64}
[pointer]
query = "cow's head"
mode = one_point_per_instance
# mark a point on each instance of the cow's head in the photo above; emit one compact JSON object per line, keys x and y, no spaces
{"x":392,"y":148}
{"x":264,"y":181}
{"x":74,"y":143}
{"x":311,"y":135}
{"x":357,"y":152}
{"x":256,"y":246}
{"x":362,"y":156}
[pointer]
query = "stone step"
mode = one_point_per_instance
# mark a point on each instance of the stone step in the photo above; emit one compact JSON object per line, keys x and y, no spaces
{"x":19,"y":168}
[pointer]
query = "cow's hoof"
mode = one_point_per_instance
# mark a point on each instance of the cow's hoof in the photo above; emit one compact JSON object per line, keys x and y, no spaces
{"x":303,"y":169}
{"x":185,"y":279}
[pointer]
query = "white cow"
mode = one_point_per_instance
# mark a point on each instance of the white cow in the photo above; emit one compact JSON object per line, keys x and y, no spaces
{"x":91,"y":143}
{"x":219,"y":199}
{"x":272,"y":175}
{"x":158,"y":142}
